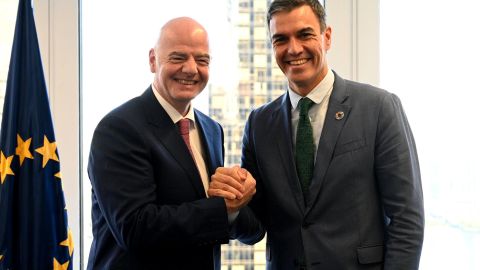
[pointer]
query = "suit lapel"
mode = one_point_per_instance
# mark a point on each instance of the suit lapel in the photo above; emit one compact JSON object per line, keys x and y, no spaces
{"x":283,"y":127}
{"x":208,"y":135}
{"x":166,"y":131}
{"x":331,"y":130}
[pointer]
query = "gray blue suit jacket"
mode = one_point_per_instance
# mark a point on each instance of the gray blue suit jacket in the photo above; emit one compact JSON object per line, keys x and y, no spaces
{"x":149,"y":209}
{"x":364,"y":209}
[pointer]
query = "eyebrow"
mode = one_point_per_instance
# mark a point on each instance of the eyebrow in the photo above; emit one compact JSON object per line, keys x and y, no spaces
{"x":203,"y":55}
{"x":200,"y":55}
{"x":303,"y":30}
{"x":306,"y":29}
{"x":174,"y":53}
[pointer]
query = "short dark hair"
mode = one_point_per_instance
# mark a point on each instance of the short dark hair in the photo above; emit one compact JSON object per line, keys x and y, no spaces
{"x":289,"y":5}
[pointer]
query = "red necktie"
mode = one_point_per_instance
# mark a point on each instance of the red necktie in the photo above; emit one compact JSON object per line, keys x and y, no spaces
{"x":184,"y":129}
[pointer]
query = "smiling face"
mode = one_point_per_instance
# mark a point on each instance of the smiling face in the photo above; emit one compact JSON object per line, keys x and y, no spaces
{"x":180,"y":61}
{"x":300,"y":47}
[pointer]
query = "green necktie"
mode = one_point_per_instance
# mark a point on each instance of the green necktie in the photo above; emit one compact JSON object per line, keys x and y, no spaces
{"x":304,"y":146}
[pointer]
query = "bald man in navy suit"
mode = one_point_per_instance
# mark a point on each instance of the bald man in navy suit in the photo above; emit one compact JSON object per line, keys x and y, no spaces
{"x":150,"y":165}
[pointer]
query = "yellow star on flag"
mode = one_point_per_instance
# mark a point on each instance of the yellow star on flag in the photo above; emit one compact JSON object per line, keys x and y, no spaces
{"x":5,"y":169}
{"x":58,"y":175}
{"x":58,"y":266}
{"x":47,"y":151}
{"x":23,"y":149}
{"x":68,"y":242}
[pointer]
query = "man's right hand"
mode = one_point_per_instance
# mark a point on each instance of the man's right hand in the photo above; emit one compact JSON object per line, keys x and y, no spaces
{"x":236,"y":185}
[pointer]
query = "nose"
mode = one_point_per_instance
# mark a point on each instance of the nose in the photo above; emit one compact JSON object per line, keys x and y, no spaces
{"x":294,"y":47}
{"x":190,"y":66}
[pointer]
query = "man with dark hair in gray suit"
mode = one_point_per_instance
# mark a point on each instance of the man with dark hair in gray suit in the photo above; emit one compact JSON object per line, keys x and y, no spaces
{"x":338,"y":179}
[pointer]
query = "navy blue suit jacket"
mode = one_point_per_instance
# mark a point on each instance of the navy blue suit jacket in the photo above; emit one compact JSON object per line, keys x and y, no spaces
{"x":364,"y":209}
{"x":149,"y":209}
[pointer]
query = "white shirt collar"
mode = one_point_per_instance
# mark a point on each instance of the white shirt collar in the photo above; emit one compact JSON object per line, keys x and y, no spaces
{"x":318,"y":93}
{"x":174,"y":114}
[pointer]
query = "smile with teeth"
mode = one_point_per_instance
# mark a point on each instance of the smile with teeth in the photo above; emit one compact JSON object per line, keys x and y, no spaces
{"x":187,"y":82}
{"x":298,"y":62}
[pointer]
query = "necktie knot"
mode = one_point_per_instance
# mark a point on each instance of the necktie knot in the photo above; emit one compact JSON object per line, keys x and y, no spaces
{"x":305,"y":104}
{"x":184,"y":126}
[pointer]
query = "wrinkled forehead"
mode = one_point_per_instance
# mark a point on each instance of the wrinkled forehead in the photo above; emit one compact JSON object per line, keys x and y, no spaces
{"x":195,"y":43}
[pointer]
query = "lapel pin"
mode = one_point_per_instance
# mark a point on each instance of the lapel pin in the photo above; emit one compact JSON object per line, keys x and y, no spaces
{"x":339,"y":115}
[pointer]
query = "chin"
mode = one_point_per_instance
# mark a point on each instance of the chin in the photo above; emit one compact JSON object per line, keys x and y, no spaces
{"x":299,"y":79}
{"x":188,"y":96}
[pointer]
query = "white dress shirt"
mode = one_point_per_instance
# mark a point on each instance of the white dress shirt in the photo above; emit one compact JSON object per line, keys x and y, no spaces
{"x":320,"y":95}
{"x":195,"y":142}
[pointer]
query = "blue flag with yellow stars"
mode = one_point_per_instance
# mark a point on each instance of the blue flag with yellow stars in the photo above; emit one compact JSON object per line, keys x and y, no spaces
{"x":34,"y":231}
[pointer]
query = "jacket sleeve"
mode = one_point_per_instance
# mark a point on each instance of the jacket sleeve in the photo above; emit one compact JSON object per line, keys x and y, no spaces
{"x":399,"y":182}
{"x":253,"y":213}
{"x":247,"y":228}
{"x":121,"y":170}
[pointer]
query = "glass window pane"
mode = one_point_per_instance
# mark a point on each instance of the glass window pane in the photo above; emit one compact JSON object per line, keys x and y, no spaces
{"x":429,"y":52}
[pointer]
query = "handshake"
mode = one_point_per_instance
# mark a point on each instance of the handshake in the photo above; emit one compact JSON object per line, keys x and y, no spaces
{"x":236,"y":185}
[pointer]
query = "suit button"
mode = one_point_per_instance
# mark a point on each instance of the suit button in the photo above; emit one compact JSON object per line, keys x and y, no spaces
{"x":306,"y":224}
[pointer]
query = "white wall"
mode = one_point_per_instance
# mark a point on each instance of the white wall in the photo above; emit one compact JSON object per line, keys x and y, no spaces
{"x":355,"y":39}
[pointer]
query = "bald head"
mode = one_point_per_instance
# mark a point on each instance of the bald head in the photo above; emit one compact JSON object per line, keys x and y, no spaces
{"x":183,"y":28}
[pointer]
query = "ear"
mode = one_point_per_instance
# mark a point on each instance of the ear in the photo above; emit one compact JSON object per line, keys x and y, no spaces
{"x":152,"y":60}
{"x":328,"y":37}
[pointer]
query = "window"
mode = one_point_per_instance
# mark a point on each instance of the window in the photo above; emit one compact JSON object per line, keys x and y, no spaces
{"x":259,"y":17}
{"x":243,"y":46}
{"x":244,"y":5}
{"x":261,"y":46}
{"x":429,"y":57}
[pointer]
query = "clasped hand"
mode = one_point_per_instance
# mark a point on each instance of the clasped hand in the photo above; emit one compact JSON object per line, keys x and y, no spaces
{"x":236,"y":185}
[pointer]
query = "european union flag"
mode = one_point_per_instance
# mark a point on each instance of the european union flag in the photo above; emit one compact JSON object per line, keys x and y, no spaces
{"x":34,"y":230}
